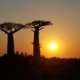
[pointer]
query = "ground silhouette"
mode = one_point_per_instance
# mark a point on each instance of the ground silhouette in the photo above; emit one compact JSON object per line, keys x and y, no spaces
{"x":20,"y":67}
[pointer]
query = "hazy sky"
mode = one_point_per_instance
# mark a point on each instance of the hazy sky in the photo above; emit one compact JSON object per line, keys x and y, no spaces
{"x":64,"y":14}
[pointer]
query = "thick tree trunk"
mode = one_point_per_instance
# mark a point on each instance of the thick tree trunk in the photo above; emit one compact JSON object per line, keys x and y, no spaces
{"x":10,"y":45}
{"x":36,"y":46}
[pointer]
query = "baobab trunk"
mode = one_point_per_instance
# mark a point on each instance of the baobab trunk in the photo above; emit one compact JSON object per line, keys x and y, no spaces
{"x":10,"y":44}
{"x":36,"y":46}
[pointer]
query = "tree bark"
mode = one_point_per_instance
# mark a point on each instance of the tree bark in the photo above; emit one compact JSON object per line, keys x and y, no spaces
{"x":10,"y":44}
{"x":36,"y":46}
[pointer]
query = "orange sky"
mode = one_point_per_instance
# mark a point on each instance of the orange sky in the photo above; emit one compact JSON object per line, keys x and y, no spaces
{"x":64,"y":14}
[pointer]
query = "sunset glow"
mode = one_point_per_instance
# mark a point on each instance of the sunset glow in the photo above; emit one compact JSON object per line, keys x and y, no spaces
{"x":64,"y":33}
{"x":53,"y":46}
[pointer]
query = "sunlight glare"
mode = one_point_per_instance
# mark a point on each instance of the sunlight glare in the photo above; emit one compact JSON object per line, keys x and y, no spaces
{"x":52,"y":46}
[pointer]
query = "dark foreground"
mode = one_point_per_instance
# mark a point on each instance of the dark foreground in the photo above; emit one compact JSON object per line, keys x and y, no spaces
{"x":22,"y":68}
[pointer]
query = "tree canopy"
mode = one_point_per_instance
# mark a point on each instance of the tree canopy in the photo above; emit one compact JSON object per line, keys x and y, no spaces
{"x":9,"y":27}
{"x":38,"y":23}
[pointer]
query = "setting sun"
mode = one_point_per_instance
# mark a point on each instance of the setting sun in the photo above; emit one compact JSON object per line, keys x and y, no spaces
{"x":52,"y":46}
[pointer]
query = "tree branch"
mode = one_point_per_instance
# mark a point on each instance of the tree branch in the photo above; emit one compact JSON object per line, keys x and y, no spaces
{"x":32,"y":30}
{"x":4,"y":31}
{"x":41,"y":28}
{"x":32,"y":43}
{"x":16,"y":30}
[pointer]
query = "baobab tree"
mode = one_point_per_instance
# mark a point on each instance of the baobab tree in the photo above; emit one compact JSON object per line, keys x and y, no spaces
{"x":10,"y":28}
{"x":37,"y":25}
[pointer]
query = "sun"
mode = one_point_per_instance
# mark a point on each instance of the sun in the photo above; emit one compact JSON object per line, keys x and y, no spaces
{"x":53,"y":46}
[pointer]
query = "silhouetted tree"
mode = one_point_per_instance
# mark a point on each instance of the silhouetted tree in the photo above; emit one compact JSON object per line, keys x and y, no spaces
{"x":17,"y":52}
{"x":37,"y":25}
{"x":10,"y":28}
{"x":25,"y":54}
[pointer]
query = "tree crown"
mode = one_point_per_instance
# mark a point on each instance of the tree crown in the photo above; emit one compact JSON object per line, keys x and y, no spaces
{"x":9,"y":27}
{"x":38,"y":24}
